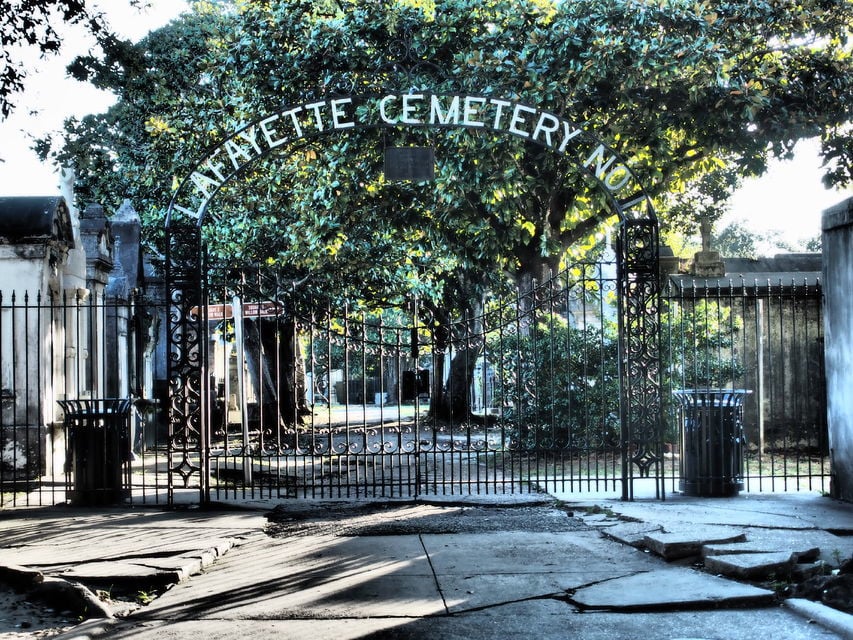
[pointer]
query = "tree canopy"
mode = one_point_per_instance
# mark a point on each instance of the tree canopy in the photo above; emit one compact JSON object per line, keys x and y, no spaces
{"x":680,"y":88}
{"x":37,"y":24}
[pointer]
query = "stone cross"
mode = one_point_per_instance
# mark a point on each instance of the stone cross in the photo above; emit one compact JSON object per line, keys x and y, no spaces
{"x":707,"y":263}
{"x":705,"y":231}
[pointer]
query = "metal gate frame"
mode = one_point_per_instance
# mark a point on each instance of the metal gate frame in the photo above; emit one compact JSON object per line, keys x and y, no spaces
{"x":638,"y":304}
{"x":639,"y":365}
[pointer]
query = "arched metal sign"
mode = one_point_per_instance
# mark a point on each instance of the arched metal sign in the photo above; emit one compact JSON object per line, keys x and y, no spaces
{"x":277,"y":132}
{"x":270,"y":133}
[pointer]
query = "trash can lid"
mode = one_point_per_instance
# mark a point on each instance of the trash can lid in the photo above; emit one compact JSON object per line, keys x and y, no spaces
{"x":711,"y":397}
{"x":94,"y":406}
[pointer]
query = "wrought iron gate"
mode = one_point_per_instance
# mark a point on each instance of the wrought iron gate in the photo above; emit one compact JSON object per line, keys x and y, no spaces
{"x":421,"y":456}
{"x":275,"y":398}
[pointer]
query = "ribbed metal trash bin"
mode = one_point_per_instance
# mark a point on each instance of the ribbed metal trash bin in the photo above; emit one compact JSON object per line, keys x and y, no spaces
{"x":97,"y":436}
{"x":712,"y":441}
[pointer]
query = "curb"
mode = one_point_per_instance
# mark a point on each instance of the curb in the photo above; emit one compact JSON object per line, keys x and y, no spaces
{"x":100,"y":618}
{"x":90,"y":630}
{"x":73,"y":594}
{"x":829,"y":618}
{"x":20,"y":577}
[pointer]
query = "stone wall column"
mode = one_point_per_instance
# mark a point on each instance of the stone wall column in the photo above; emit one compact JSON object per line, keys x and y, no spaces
{"x":838,"y":320}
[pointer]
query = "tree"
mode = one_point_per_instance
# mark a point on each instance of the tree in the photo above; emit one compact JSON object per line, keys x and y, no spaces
{"x":814,"y":245}
{"x":678,"y":87}
{"x":704,"y":197}
{"x":37,"y":24}
{"x":736,"y":241}
{"x":29,"y":24}
{"x":570,"y":379}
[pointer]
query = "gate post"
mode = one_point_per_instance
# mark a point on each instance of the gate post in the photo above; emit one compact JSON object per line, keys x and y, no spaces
{"x":187,"y":359}
{"x":639,"y":336}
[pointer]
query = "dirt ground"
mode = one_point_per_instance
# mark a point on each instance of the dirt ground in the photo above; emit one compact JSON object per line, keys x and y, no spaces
{"x":372,"y":519}
{"x":22,"y":618}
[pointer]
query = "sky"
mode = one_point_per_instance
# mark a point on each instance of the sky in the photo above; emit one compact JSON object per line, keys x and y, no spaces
{"x":50,"y":96}
{"x":789,"y":198}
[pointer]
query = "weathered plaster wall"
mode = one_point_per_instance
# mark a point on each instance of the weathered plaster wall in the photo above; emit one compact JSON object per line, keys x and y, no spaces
{"x":35,"y":244}
{"x":838,"y":318}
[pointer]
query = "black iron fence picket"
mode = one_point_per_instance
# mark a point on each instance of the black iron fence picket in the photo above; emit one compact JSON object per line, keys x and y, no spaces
{"x":77,"y":346}
{"x":763,"y":336}
{"x":316,"y":402}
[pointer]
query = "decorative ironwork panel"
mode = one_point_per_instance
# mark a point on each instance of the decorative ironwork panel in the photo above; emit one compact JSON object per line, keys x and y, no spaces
{"x":642,"y":424}
{"x":187,"y":336}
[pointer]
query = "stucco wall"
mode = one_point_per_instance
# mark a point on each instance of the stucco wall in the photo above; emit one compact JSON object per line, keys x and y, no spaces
{"x":838,"y":319}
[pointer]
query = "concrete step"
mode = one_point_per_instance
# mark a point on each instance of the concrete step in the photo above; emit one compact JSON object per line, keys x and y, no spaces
{"x":688,"y":541}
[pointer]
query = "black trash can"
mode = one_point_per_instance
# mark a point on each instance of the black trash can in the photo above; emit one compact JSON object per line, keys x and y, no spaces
{"x":97,"y":436}
{"x":712,"y":441}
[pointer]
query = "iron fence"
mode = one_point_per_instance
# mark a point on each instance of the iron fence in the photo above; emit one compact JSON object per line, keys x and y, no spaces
{"x":307,"y":401}
{"x":74,"y":346}
{"x":521,"y":396}
{"x":763,"y":335}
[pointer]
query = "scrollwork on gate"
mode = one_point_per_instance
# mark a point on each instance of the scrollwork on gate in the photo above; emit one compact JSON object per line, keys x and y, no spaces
{"x":642,"y":438}
{"x":187,"y":336}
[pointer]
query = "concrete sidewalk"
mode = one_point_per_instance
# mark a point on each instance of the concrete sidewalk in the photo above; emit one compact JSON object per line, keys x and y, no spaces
{"x":405,"y":572}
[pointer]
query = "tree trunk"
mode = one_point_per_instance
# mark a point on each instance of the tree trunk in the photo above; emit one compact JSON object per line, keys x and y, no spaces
{"x":277,"y":370}
{"x":439,"y":407}
{"x":452,"y":395}
{"x":457,"y":395}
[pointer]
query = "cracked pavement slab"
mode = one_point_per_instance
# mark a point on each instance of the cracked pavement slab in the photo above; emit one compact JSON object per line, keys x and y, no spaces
{"x":420,"y":561}
{"x":669,"y":589}
{"x":440,"y":571}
